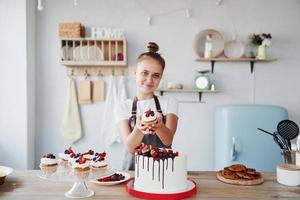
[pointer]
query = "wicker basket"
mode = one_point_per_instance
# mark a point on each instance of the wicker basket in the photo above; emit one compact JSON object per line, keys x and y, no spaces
{"x":71,"y":30}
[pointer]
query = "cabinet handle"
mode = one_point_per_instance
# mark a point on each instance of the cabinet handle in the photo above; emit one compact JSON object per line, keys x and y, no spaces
{"x":233,"y":152}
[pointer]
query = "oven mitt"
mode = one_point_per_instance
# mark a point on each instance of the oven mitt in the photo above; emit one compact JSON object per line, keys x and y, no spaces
{"x":98,"y":90}
{"x":71,"y":128}
{"x":85,"y":92}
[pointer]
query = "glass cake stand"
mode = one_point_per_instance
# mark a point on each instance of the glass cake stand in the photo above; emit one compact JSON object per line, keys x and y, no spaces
{"x":79,"y":188}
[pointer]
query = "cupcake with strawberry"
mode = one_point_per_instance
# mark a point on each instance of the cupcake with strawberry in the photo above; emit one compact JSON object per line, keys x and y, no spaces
{"x":99,"y":164}
{"x":149,"y":117}
{"x":65,"y":157}
{"x":81,"y":167}
{"x":48,"y":163}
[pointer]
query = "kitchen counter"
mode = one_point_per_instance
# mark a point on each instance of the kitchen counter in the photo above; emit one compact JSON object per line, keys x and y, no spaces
{"x":26,"y":185}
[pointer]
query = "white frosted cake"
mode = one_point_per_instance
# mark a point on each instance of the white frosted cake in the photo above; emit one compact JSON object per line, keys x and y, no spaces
{"x":159,"y":170}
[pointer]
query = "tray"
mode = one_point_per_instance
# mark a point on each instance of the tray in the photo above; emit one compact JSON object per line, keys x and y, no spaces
{"x":240,"y":181}
{"x":190,"y":191}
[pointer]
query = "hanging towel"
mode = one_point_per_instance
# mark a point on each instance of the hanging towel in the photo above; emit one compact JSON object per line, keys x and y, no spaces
{"x":116,"y":93}
{"x":71,"y":128}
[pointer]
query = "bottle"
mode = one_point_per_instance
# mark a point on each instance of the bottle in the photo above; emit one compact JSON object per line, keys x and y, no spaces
{"x":208,"y":46}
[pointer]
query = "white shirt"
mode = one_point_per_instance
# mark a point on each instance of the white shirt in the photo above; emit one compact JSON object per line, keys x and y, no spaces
{"x":123,"y":110}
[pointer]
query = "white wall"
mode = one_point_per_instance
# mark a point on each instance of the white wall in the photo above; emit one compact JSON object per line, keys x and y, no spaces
{"x":16,"y":110}
{"x":272,"y":83}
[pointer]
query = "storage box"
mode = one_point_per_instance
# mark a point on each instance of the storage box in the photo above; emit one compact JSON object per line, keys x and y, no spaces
{"x":71,"y":30}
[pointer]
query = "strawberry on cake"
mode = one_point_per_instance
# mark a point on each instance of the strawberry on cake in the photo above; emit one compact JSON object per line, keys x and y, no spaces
{"x":65,"y":157}
{"x":48,"y":163}
{"x":159,"y":170}
{"x":81,"y":167}
{"x":98,"y":164}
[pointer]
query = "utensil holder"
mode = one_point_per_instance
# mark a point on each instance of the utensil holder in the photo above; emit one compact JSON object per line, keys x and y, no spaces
{"x":288,"y":156}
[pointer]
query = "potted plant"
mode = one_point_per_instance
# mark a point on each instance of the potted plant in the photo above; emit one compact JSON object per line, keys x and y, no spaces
{"x":262,"y":41}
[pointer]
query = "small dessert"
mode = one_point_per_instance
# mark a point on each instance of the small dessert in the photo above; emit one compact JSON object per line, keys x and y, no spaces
{"x":81,"y":167}
{"x":98,"y":164}
{"x":65,"y":157}
{"x":48,"y":163}
{"x":149,"y":118}
{"x":74,"y":157}
{"x":88,"y":155}
{"x":114,"y":177}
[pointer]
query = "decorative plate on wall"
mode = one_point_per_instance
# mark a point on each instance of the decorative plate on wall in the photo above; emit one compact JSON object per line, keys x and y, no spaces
{"x":217,"y":40}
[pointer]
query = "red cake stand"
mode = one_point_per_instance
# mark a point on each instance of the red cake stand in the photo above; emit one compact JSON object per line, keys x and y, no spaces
{"x":190,"y":191}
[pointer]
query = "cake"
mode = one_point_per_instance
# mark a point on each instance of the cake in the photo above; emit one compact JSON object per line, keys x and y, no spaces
{"x":49,"y":163}
{"x":81,"y":167}
{"x":159,"y":170}
{"x":65,"y":157}
{"x":149,"y":117}
{"x":98,"y":163}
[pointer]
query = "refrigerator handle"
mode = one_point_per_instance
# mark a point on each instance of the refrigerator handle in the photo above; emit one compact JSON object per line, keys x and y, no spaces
{"x":233,"y":150}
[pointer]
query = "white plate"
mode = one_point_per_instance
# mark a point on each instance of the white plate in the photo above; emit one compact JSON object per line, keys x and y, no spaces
{"x":234,"y":49}
{"x":95,"y":53}
{"x":88,"y":53}
{"x":127,"y":177}
{"x":66,"y":53}
{"x":217,"y":42}
{"x":5,"y":171}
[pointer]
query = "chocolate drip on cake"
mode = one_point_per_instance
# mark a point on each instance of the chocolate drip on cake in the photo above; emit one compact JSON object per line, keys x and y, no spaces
{"x":148,"y":164}
{"x":167,"y":164}
{"x":143,"y":161}
{"x":163,"y":175}
{"x":172,"y":164}
{"x":158,"y":170}
{"x":138,"y":168}
{"x":153,"y":169}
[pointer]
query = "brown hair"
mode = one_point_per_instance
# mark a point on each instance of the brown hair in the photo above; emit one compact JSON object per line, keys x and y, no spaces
{"x":152,"y":53}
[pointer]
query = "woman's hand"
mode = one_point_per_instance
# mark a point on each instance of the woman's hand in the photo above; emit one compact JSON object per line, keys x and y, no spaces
{"x":158,"y":124}
{"x":145,"y":129}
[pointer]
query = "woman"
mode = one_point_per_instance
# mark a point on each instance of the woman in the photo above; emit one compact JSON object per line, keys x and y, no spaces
{"x":149,"y":71}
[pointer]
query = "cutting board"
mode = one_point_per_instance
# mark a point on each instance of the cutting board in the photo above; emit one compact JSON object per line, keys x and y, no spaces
{"x":256,"y":181}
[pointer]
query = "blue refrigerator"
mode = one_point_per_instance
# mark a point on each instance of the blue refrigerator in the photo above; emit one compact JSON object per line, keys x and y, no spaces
{"x":237,"y":139}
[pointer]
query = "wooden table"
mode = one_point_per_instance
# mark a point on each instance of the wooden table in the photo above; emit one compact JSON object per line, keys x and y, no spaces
{"x":26,"y":185}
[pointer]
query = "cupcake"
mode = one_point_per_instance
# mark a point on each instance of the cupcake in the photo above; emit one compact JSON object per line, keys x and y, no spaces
{"x":98,"y":164}
{"x":81,"y":167}
{"x":65,"y":157}
{"x":73,"y":158}
{"x":88,"y":155}
{"x":149,"y":117}
{"x":48,"y":163}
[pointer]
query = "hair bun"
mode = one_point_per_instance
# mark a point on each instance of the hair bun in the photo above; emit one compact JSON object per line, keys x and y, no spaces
{"x":152,"y":47}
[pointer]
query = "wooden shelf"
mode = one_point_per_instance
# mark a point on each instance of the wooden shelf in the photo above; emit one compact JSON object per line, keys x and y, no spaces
{"x":162,"y":91}
{"x":107,"y":56}
{"x":93,"y":63}
{"x":224,"y":59}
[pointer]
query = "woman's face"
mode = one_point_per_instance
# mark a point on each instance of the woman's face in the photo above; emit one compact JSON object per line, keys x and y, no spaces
{"x":148,"y":75}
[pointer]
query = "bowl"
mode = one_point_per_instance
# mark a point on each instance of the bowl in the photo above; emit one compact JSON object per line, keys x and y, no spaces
{"x":4,"y":171}
{"x":217,"y":42}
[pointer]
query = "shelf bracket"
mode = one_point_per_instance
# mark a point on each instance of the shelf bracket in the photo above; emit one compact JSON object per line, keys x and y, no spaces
{"x":212,"y":66}
{"x":200,"y":96}
{"x":251,"y":66}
